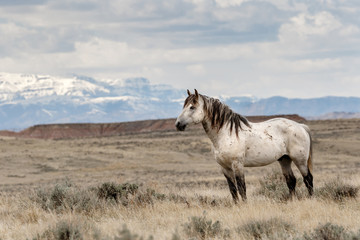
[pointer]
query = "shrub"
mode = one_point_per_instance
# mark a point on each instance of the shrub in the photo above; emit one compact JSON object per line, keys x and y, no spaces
{"x":213,"y":201}
{"x":273,"y":186}
{"x":52,"y":199}
{"x":203,"y":228}
{"x":62,"y":231}
{"x":273,"y":228}
{"x":128,"y":194}
{"x":66,"y":231}
{"x":205,"y":200}
{"x":116,"y":192}
{"x":337,"y":190}
{"x":176,"y":236}
{"x":57,"y":196}
{"x":67,"y":197}
{"x":148,"y":197}
{"x":331,"y":231}
{"x":176,"y":198}
{"x":82,"y":201}
{"x":125,"y":234}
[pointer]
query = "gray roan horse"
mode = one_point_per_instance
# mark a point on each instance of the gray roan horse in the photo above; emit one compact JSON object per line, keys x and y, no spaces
{"x":238,"y":143}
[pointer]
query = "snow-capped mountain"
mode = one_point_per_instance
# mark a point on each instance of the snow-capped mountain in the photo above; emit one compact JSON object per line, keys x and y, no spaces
{"x":32,"y":88}
{"x":26,"y":100}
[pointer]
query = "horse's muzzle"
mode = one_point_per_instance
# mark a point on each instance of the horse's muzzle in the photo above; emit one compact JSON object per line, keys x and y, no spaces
{"x":180,"y":127}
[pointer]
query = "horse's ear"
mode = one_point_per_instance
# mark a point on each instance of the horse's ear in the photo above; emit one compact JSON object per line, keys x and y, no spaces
{"x":188,"y":92}
{"x":196,"y":93}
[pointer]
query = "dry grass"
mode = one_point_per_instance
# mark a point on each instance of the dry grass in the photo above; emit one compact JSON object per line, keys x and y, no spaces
{"x":176,"y":190}
{"x":162,"y":217}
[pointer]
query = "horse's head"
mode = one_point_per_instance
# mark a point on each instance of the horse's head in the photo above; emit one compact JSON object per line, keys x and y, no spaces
{"x":193,"y":111}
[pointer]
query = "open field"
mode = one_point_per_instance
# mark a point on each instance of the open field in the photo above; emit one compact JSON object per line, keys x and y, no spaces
{"x":51,"y":185}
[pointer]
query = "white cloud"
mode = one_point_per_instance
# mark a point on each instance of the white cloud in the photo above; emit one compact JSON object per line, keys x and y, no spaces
{"x":349,"y":31}
{"x":229,"y":3}
{"x":13,"y":38}
{"x":222,"y":47}
{"x":302,"y":66}
{"x":196,"y":69}
{"x":304,"y":25}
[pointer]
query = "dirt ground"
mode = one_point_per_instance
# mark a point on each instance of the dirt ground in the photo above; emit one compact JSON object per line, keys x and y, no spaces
{"x":168,"y":159}
{"x":172,"y":163}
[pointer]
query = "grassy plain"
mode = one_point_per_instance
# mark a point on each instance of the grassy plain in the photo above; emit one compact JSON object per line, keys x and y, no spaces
{"x":49,"y":189}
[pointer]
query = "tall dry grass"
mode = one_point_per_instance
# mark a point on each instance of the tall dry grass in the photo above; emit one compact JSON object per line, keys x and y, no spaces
{"x":67,"y":211}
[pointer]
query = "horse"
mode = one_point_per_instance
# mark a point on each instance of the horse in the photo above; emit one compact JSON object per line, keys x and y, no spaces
{"x":238,"y":143}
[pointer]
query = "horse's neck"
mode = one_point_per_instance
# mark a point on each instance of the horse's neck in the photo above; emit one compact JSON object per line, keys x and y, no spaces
{"x":211,"y":132}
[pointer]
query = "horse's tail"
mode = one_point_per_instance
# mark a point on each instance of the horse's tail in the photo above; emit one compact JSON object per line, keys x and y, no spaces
{"x":310,"y":162}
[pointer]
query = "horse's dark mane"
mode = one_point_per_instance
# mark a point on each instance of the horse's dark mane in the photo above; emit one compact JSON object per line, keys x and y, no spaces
{"x":190,"y":99}
{"x":220,"y":114}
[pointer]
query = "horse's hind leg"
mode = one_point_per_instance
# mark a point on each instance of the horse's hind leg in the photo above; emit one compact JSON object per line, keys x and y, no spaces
{"x":232,"y":187}
{"x":307,"y":176}
{"x":308,"y":180}
{"x":285,"y":162}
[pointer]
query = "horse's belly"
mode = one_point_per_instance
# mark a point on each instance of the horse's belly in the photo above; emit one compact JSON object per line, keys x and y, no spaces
{"x":258,"y":162}
{"x":264,"y":155}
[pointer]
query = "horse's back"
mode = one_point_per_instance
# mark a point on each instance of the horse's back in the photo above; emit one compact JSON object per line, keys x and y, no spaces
{"x":280,"y":127}
{"x":295,"y":135}
{"x":274,"y":138}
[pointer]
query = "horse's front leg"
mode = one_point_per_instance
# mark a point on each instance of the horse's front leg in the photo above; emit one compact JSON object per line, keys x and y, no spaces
{"x":238,"y":168}
{"x":229,"y":175}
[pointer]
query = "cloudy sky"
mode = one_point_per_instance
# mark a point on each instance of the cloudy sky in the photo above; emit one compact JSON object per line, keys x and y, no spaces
{"x":293,"y":48}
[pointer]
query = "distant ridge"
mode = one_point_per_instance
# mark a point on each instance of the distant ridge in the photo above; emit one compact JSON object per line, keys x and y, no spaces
{"x":336,"y":115}
{"x":83,"y":130}
{"x":28,"y":99}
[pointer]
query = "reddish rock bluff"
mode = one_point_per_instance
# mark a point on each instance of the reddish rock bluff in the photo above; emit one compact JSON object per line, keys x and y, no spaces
{"x":81,"y":130}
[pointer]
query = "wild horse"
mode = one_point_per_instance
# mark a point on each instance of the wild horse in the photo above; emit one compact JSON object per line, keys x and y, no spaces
{"x":239,"y":143}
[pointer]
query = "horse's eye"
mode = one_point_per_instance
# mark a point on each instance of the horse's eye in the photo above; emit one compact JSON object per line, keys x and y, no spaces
{"x":192,"y":107}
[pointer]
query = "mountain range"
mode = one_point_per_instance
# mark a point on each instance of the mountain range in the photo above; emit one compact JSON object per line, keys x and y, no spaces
{"x":28,"y":99}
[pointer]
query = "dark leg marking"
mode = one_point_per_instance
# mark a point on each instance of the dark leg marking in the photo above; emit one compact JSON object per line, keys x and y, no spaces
{"x":285,"y":162}
{"x":308,"y":180}
{"x":291,"y":183}
{"x":240,"y":180}
{"x":232,"y":188}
